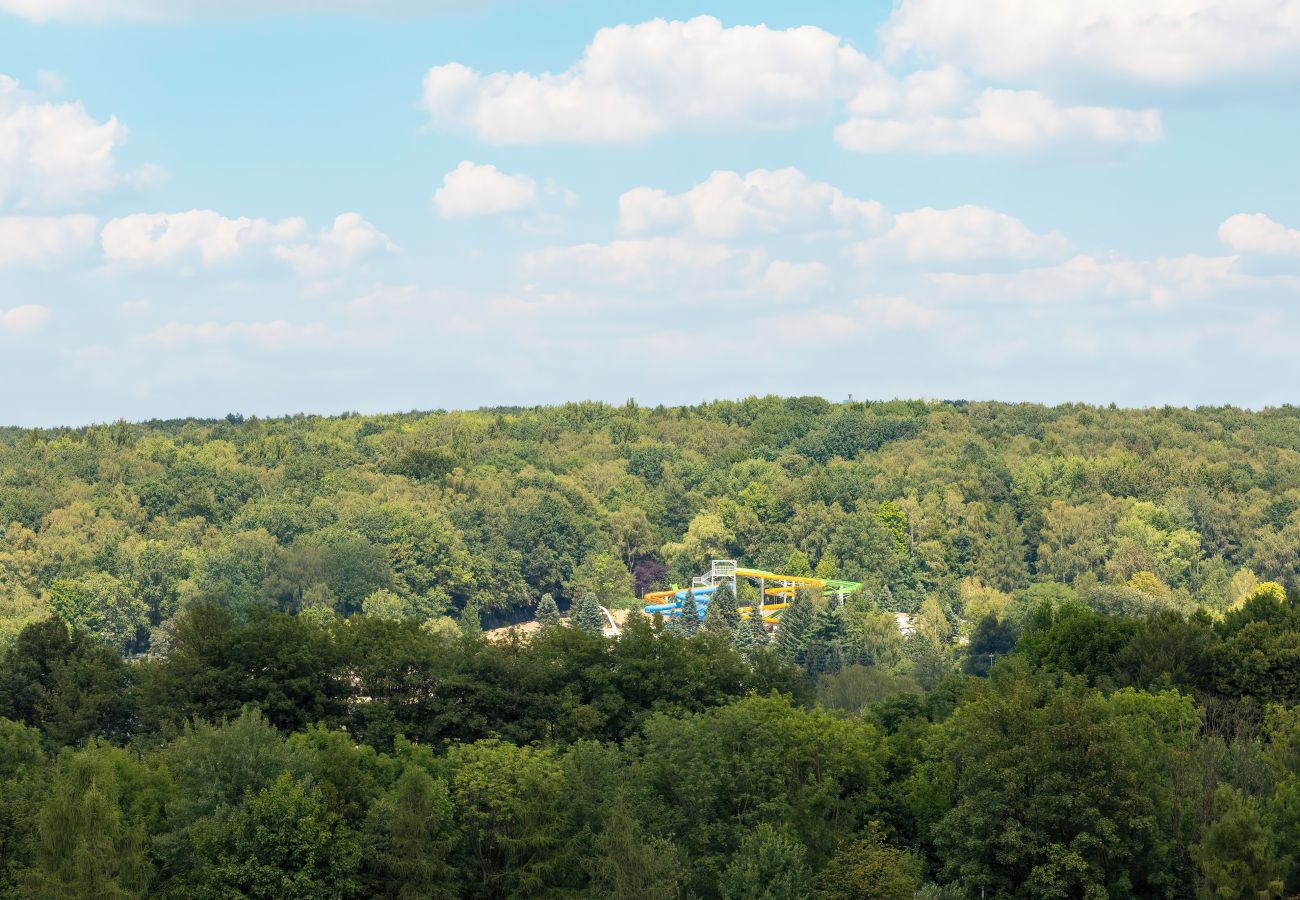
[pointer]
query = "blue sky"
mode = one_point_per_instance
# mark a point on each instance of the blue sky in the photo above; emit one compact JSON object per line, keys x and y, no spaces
{"x":404,"y":204}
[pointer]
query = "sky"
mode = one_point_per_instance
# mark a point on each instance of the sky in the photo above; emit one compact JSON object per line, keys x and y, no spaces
{"x":381,"y":205}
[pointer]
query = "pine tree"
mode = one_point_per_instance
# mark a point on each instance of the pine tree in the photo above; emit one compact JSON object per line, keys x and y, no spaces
{"x":548,"y":613}
{"x":757,"y":628}
{"x":587,"y":614}
{"x":688,"y":619}
{"x":722,"y":615}
{"x":742,"y":638}
{"x":792,"y":630}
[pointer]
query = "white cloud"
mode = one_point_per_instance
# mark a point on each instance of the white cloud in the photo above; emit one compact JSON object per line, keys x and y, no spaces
{"x":274,"y":335}
{"x":727,"y":205}
{"x":207,"y":237}
{"x":482,"y":190}
{"x":24,"y":319}
{"x":136,"y":307}
{"x":41,"y":240}
{"x":963,"y":233}
{"x":784,"y":279}
{"x":635,"y":81}
{"x":199,"y":235}
{"x":1158,"y":42}
{"x":53,"y":154}
{"x":349,"y":241}
{"x":939,"y":111}
{"x":646,"y":265}
{"x":1083,"y":278}
{"x":1257,"y":233}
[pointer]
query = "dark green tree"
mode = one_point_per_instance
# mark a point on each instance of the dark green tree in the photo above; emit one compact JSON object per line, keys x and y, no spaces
{"x":688,"y":617}
{"x":66,"y":683}
{"x":722,"y":616}
{"x":409,"y":840}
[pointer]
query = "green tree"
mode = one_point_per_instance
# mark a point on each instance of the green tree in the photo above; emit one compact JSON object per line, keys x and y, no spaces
{"x":794,"y":628}
{"x":587,"y":614}
{"x":797,"y":565}
{"x":768,"y":866}
{"x":409,"y":839}
{"x":688,"y":616}
{"x":103,"y":605}
{"x":1040,"y":791}
{"x":471,"y":625}
{"x":722,"y":615}
{"x":86,"y":848}
{"x":384,"y":604}
{"x":1234,"y":854}
{"x":629,"y":864}
{"x":67,"y":683}
{"x":280,"y":842}
{"x":869,"y":869}
{"x":548,"y":613}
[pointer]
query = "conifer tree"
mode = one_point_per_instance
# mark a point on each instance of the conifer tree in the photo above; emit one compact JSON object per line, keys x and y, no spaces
{"x":757,"y":628}
{"x":722,"y":615}
{"x":548,"y":613}
{"x":689,"y":614}
{"x":742,"y":638}
{"x":793,"y":628}
{"x":587,"y":614}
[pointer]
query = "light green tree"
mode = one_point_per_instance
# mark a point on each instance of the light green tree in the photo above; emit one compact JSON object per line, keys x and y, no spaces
{"x":587,"y":614}
{"x":547,"y":613}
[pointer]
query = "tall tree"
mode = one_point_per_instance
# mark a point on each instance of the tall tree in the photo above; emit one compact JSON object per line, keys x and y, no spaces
{"x":85,"y":847}
{"x":722,"y":615}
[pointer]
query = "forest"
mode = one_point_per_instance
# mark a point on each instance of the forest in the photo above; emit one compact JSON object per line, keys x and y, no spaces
{"x":271,"y":657}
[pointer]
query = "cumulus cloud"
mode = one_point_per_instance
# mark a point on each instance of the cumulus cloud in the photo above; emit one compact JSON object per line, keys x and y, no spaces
{"x":207,"y":237}
{"x":636,"y":81}
{"x":939,"y":111}
{"x":199,"y":235}
{"x":1258,"y":234}
{"x":953,"y":235}
{"x":274,"y":335}
{"x":1156,"y":42}
{"x":471,"y":189}
{"x":646,"y":265}
{"x":41,"y":240}
{"x":24,"y":319}
{"x":1083,"y":278}
{"x":728,"y":205}
{"x":349,"y":241}
{"x":53,"y":154}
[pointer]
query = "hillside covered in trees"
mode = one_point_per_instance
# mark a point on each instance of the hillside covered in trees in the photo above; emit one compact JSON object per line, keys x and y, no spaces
{"x":246,"y":657}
